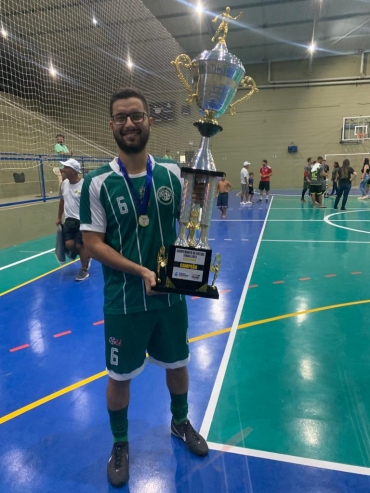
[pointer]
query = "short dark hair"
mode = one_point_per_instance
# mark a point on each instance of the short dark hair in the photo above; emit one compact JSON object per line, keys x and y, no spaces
{"x":264,"y":161}
{"x":250,"y":174}
{"x":320,"y":157}
{"x":309,"y":159}
{"x":128,"y":93}
{"x":59,"y":135}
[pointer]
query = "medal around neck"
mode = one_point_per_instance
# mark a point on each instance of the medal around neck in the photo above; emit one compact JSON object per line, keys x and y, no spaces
{"x":144,"y":220}
{"x":216,"y":75}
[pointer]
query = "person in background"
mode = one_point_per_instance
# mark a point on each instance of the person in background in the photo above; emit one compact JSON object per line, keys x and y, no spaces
{"x":244,"y":177}
{"x":251,"y":187}
{"x":345,"y":176}
{"x":265,"y":174}
{"x":223,"y":189}
{"x":324,"y":176}
{"x":60,"y":148}
{"x":334,"y":178}
{"x":167,"y":154}
{"x":69,"y":204}
{"x":316,"y":185}
{"x":306,"y":180}
{"x":128,"y":215}
{"x":365,"y":176}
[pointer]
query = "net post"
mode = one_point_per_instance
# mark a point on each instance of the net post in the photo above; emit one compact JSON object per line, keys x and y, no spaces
{"x":42,"y":175}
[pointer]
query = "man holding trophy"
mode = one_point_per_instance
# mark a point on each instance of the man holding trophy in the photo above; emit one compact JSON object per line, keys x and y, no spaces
{"x":128,"y":218}
{"x":128,"y":211}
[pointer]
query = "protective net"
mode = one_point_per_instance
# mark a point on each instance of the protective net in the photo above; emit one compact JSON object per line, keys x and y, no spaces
{"x":60,"y":63}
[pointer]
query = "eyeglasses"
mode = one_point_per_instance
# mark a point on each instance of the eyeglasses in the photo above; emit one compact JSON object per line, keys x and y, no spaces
{"x":135,"y":117}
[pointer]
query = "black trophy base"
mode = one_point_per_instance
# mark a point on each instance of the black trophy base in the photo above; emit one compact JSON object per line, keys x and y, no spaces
{"x":211,"y":292}
{"x":186,"y":272}
{"x":208,"y":129}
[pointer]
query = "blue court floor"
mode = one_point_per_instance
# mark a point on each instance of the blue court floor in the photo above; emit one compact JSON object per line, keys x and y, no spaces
{"x":54,"y":429}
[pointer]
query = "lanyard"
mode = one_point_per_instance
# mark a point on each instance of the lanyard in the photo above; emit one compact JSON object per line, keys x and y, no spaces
{"x":142,"y":205}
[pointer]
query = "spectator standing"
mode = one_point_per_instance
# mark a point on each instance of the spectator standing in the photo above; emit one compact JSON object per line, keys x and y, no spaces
{"x":265,"y":174}
{"x":345,"y":176}
{"x":334,"y":178}
{"x":306,"y":179}
{"x":316,"y":185}
{"x":244,"y":181}
{"x":69,"y":204}
{"x":223,"y":189}
{"x":251,"y":187}
{"x":365,"y":176}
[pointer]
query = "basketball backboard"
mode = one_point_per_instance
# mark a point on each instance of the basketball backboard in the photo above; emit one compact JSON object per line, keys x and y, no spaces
{"x":355,"y":129}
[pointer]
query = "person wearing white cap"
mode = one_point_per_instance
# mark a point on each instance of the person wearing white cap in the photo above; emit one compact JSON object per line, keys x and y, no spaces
{"x":244,"y":180}
{"x":69,"y":204}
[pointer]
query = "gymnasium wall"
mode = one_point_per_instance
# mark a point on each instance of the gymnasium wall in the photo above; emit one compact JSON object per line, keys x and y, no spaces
{"x":309,"y":117}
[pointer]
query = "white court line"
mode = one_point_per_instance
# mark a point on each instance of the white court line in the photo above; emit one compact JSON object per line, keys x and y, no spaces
{"x":327,"y":220}
{"x":322,"y":464}
{"x":211,"y":408}
{"x":315,"y":241}
{"x":26,"y":259}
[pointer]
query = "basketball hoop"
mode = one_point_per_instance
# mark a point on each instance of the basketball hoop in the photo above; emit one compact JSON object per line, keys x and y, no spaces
{"x":361,"y":137}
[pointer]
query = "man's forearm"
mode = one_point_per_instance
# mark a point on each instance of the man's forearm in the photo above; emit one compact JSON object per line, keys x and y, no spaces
{"x":106,"y":255}
{"x":60,"y":210}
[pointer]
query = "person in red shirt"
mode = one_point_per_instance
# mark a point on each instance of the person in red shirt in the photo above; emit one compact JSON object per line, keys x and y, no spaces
{"x":265,"y":173}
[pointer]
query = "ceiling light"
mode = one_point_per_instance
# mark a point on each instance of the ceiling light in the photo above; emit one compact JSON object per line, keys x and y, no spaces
{"x":52,"y":70}
{"x":94,"y":21}
{"x":129,"y":63}
{"x":199,"y":9}
{"x":312,"y":48}
{"x":4,"y":33}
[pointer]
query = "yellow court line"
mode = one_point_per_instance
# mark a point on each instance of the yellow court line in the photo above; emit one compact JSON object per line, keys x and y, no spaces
{"x":75,"y":386}
{"x":50,"y":397}
{"x":302,"y":312}
{"x":38,"y":277}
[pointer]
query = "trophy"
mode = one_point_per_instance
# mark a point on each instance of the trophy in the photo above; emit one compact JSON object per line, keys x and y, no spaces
{"x":216,"y":76}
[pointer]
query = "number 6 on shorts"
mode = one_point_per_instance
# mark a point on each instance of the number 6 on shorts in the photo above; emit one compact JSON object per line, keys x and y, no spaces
{"x":114,"y":356}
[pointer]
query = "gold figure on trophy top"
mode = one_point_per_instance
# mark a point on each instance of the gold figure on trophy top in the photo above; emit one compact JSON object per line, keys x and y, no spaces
{"x":193,"y":226}
{"x":224,"y":26}
{"x":215,"y":268}
{"x":161,"y":262}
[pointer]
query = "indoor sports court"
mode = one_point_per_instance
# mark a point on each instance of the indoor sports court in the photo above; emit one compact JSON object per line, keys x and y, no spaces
{"x":279,"y":366}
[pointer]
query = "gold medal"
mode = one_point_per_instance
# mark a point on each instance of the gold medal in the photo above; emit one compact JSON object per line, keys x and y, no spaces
{"x":144,"y":220}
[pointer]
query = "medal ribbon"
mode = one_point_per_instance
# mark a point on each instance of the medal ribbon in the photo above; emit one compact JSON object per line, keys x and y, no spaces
{"x":142,"y":205}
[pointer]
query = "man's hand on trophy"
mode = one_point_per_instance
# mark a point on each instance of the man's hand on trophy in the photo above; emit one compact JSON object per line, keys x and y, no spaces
{"x":150,"y":280}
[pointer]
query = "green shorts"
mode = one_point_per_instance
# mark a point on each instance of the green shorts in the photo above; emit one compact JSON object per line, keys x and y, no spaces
{"x":163,"y":334}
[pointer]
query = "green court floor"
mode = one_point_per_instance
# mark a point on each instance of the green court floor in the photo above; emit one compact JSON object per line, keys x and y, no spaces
{"x":31,"y":259}
{"x":299,"y":385}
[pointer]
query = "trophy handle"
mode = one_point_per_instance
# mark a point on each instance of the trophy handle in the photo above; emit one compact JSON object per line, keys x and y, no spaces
{"x":184,"y":60}
{"x":245,"y":82}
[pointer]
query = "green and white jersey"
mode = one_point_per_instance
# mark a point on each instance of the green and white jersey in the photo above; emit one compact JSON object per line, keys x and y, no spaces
{"x":107,"y":206}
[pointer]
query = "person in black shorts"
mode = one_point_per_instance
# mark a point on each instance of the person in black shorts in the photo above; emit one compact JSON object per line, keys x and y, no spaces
{"x":265,"y":174}
{"x":251,"y":186}
{"x":223,"y":189}
{"x":69,"y":204}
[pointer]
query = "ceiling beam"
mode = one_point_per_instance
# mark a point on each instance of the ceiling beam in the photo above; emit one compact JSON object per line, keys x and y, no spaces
{"x":246,"y":6}
{"x":333,"y":18}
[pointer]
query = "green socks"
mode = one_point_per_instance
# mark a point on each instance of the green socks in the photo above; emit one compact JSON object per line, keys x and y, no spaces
{"x":179,"y":407}
{"x":119,"y":424}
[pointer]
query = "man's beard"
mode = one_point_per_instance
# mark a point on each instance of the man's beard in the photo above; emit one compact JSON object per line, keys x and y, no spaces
{"x":132,"y":148}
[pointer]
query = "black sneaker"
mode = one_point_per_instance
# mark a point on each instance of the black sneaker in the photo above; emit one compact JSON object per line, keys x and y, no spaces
{"x":259,"y":200}
{"x":195,"y":442}
{"x":117,"y":468}
{"x":82,"y":275}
